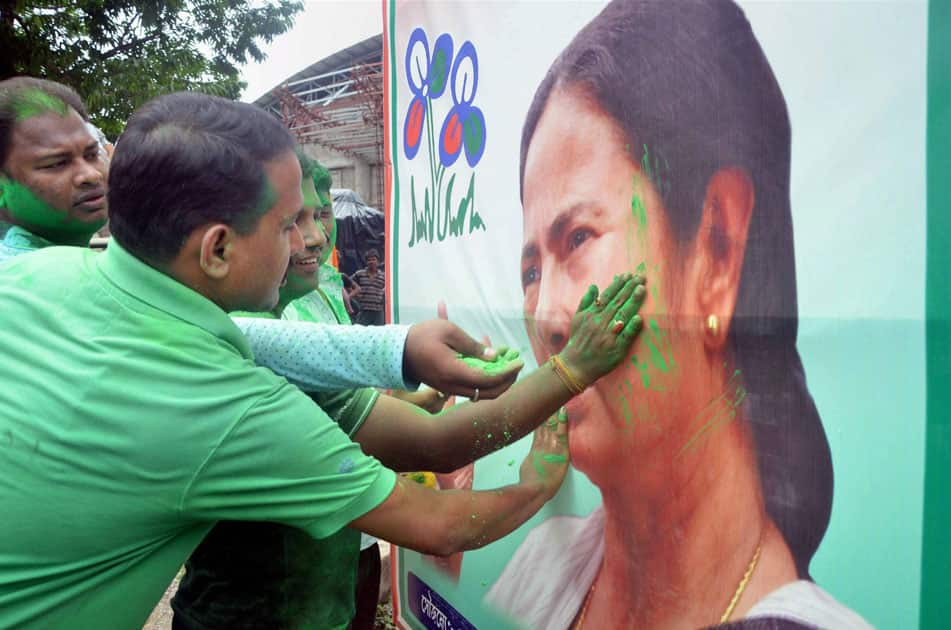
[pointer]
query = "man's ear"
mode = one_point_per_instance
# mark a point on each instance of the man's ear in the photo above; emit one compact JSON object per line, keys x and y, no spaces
{"x":720,"y":246}
{"x":217,"y":248}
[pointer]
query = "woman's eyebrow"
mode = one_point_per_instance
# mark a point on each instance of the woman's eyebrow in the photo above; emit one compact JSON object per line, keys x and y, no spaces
{"x":530,"y":250}
{"x":584,"y":209}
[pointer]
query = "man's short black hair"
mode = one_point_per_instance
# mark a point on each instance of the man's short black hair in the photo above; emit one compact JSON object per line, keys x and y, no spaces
{"x":186,"y":160}
{"x":19,"y":95}
{"x":371,"y":253}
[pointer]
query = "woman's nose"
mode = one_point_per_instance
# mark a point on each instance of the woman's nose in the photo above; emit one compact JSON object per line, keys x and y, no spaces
{"x":553,"y":313}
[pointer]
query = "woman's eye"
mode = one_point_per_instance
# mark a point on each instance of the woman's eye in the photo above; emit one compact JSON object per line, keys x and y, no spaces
{"x":529,"y":276}
{"x":577,"y":237}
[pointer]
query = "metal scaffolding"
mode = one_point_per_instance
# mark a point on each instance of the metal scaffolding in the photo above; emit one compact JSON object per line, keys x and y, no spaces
{"x":337,"y":102}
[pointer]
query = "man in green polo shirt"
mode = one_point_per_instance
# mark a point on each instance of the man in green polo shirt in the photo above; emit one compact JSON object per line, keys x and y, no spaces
{"x":268,"y":575}
{"x":132,"y":417}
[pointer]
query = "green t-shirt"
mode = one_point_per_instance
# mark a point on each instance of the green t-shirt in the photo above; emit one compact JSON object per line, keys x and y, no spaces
{"x":132,"y":418}
{"x":267,"y":575}
{"x":323,"y":306}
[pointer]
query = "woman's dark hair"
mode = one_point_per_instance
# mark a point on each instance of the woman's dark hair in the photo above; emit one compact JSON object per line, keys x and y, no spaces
{"x":29,"y":94}
{"x":185,"y":160}
{"x":691,"y":90}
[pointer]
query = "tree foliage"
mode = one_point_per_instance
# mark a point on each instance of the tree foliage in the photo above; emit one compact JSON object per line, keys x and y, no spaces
{"x":119,"y":53}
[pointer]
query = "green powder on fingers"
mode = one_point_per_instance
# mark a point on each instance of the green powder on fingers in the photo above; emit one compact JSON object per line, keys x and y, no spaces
{"x":499,"y":365}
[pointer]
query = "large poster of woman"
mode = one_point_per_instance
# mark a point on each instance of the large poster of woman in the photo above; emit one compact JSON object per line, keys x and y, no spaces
{"x":746,"y":466}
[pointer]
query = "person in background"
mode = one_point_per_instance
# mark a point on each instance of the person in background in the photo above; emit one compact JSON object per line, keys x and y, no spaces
{"x":370,"y":291}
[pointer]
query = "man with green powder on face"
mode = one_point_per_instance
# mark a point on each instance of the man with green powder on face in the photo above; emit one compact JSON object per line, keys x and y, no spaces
{"x":133,"y":419}
{"x":52,"y":174}
{"x":282,"y":577}
{"x":267,"y":575}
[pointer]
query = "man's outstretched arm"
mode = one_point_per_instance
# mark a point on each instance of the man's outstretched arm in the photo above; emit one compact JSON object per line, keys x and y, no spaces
{"x":318,"y":357}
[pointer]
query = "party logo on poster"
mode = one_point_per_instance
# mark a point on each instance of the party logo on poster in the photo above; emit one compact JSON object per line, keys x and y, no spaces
{"x":434,"y":75}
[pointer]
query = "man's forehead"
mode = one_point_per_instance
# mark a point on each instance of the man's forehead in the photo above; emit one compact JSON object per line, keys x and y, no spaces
{"x":50,"y":131}
{"x":311,"y":198}
{"x":35,"y":102}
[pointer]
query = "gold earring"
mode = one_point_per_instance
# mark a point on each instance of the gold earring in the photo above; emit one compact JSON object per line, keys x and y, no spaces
{"x":713,"y":325}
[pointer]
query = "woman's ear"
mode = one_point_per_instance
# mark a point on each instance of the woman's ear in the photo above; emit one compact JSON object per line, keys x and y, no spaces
{"x":720,"y":246}
{"x":217,"y":246}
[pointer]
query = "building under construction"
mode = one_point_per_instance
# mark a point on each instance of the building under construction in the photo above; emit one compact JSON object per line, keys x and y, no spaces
{"x":335,"y":110}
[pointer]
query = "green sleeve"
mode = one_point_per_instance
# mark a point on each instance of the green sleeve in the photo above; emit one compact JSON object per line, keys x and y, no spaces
{"x":347,"y":407}
{"x":286,"y":461}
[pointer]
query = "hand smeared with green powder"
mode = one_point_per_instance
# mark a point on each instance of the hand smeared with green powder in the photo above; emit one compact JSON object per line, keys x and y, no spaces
{"x":500,"y":364}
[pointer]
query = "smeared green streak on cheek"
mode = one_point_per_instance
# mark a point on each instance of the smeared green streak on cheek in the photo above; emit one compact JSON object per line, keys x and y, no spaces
{"x":626,"y":410}
{"x":661,"y":356}
{"x":644,"y":370}
{"x":40,"y":217}
{"x":639,"y":212}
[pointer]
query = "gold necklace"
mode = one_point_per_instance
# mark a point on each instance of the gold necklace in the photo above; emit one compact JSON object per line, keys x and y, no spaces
{"x":723,"y":618}
{"x":742,"y":585}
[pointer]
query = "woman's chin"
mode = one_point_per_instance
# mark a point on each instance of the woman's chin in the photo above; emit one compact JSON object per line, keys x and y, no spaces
{"x":583,"y":427}
{"x":579,"y":407}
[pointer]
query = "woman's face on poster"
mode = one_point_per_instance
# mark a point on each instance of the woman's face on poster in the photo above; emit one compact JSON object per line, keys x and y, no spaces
{"x":591,"y":212}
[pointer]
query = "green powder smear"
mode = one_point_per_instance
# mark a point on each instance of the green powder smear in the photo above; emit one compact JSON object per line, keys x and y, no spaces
{"x":501,"y":363}
{"x":36,"y":103}
{"x":39,"y":217}
{"x":554,"y":458}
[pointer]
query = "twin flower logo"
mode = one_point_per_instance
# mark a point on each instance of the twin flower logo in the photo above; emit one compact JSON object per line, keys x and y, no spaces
{"x":433,"y":74}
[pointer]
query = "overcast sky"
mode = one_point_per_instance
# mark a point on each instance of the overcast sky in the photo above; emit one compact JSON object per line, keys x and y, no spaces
{"x":321,"y":29}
